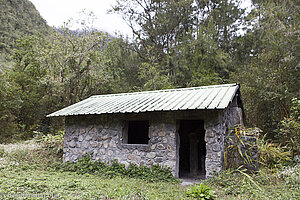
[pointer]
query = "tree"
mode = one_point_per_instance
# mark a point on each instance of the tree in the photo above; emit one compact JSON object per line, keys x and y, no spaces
{"x":156,"y":24}
{"x":270,"y":75}
{"x":167,"y":27}
{"x":53,"y":72}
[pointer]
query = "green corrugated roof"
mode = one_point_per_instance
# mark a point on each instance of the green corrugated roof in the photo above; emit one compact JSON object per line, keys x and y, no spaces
{"x":206,"y":97}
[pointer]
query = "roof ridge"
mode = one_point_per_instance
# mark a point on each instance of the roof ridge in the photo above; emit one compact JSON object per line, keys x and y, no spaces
{"x":166,"y":90}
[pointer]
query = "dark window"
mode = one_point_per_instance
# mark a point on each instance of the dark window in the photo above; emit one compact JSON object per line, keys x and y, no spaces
{"x":137,"y":132}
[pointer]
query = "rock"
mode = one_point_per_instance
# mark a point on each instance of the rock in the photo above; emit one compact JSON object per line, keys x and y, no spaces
{"x":105,"y":137}
{"x":153,"y":146}
{"x":137,"y":152}
{"x":93,"y":130}
{"x":149,"y":162}
{"x":88,"y":137}
{"x":105,"y":144}
{"x":67,"y":158}
{"x":161,"y":146}
{"x":171,"y":155}
{"x":85,"y":145}
{"x":131,"y":157}
{"x":155,"y":140}
{"x":151,"y":155}
{"x":94,"y":137}
{"x":216,"y":147}
{"x":112,"y":143}
{"x":158,"y":159}
{"x":162,"y":133}
{"x":93,"y":144}
{"x":103,"y":157}
{"x":72,"y":144}
{"x":113,"y":133}
{"x":165,"y":140}
{"x":154,"y":133}
{"x":68,"y":138}
{"x":209,"y":134}
{"x":80,"y":138}
{"x":170,"y":164}
{"x":102,"y":151}
{"x":169,"y":148}
{"x":99,"y":138}
{"x":82,"y":131}
{"x":125,"y":151}
{"x":172,"y":135}
{"x":110,"y":153}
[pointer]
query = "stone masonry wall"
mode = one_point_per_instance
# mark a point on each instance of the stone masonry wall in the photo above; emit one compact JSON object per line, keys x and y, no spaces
{"x":102,"y":136}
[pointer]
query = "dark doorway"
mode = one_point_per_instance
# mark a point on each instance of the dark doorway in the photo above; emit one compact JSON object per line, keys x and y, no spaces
{"x":192,"y":150}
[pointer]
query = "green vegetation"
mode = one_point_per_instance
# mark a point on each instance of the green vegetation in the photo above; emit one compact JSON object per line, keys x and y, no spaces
{"x":176,"y":44}
{"x":18,"y":18}
{"x":114,"y":169}
{"x":69,"y":185}
{"x":201,"y":191}
{"x":206,"y":42}
{"x":30,"y":168}
{"x":265,"y":184}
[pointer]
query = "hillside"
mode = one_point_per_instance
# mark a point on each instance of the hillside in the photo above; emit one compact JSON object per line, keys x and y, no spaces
{"x":18,"y":18}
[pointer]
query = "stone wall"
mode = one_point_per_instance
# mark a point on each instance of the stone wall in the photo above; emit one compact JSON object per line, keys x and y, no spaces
{"x":102,"y":136}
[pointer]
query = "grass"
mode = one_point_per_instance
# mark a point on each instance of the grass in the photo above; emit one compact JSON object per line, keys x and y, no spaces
{"x":265,"y":184}
{"x":69,"y":185}
{"x":26,"y":168}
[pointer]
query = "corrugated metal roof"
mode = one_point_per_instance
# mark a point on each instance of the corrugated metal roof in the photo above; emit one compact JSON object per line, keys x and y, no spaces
{"x":206,"y":97}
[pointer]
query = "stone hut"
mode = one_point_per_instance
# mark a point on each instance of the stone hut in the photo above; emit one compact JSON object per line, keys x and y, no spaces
{"x":183,"y":129}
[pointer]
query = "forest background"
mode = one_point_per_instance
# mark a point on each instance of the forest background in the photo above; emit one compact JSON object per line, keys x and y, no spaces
{"x":182,"y":43}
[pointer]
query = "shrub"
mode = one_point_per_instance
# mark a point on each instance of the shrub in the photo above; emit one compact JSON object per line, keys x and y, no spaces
{"x":291,"y":175}
{"x":289,"y":132}
{"x":272,"y":155}
{"x":241,"y":148}
{"x":86,"y":165}
{"x":52,"y":143}
{"x":245,"y":147}
{"x":201,"y":191}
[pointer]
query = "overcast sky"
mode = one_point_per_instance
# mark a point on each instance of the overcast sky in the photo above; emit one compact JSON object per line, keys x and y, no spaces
{"x":56,"y":12}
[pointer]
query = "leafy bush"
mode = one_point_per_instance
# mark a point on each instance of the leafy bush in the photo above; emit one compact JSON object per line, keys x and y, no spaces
{"x":241,"y":148}
{"x":289,"y":133}
{"x":201,"y":191}
{"x":86,"y":165}
{"x":272,"y":155}
{"x":245,"y":147}
{"x":291,"y":175}
{"x":264,"y":184}
{"x":53,"y":143}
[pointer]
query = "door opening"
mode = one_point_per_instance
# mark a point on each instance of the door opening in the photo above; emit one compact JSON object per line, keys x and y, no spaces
{"x":192,"y":150}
